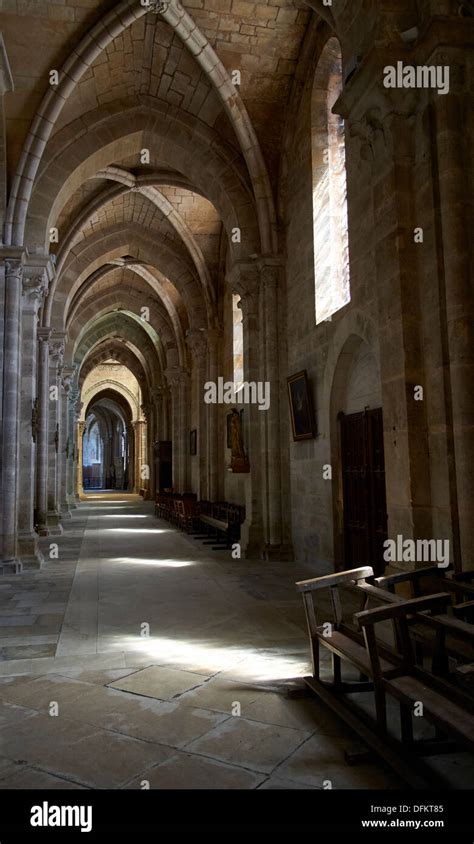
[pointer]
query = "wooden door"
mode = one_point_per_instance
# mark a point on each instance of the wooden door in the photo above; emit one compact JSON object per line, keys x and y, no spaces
{"x":363,"y":485}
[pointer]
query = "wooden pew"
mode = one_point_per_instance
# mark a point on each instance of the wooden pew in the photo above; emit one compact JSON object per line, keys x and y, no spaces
{"x":348,"y":644}
{"x":449,"y":709}
{"x":220,"y":524}
{"x":458,"y":586}
{"x":342,"y":641}
{"x":461,"y":585}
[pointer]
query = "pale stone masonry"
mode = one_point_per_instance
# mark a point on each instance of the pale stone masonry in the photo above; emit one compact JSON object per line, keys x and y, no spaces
{"x":183,"y":157}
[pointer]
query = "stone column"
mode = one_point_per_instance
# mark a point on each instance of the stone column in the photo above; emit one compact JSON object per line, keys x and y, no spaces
{"x":214,"y":336}
{"x":56,"y":352}
{"x":81,"y":427}
{"x":148,"y":433}
{"x":72,"y":399}
{"x":244,"y":279}
{"x":65,"y":441}
{"x":11,"y":390}
{"x":132,"y":477}
{"x":42,"y":436}
{"x":109,"y":457}
{"x":157,"y":397}
{"x":178,"y":379}
{"x":35,"y":285}
{"x":196,"y":341}
{"x":270,"y":270}
{"x":451,"y":139}
{"x":139,"y":454}
{"x":166,"y":414}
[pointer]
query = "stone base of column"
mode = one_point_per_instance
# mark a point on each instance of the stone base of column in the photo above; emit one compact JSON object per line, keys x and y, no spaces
{"x":66,"y":513}
{"x":71,"y":502}
{"x":252,"y":542}
{"x":55,"y":527}
{"x":284,"y":553}
{"x":29,"y":552}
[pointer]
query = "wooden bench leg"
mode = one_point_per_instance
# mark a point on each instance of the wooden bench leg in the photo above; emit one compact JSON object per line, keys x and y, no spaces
{"x":336,"y":669}
{"x":406,"y":724}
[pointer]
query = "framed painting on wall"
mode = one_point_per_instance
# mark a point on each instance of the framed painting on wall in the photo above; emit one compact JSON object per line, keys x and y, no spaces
{"x":301,"y":408}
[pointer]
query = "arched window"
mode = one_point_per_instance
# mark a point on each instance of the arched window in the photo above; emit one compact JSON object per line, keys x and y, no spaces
{"x":330,"y":234}
{"x":238,"y":343}
{"x":92,"y":444}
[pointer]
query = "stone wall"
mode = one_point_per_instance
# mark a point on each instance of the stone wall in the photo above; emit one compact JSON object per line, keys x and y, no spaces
{"x":391,"y":337}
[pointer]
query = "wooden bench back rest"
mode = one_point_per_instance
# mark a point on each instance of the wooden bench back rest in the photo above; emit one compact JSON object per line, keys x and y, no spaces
{"x":412,"y":577}
{"x":332,"y":582}
{"x":398,"y":613}
{"x":190,"y":507}
{"x":465,"y":577}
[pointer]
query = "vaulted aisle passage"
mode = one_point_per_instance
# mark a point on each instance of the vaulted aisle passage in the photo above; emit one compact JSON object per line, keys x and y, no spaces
{"x":170,"y":667}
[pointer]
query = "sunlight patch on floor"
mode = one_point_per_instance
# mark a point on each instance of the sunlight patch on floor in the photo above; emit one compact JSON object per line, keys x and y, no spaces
{"x":174,"y":564}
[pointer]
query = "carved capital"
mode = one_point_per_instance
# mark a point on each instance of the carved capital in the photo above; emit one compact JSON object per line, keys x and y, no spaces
{"x":244,"y":279}
{"x":14,"y":268}
{"x":147,"y":410}
{"x":43,"y":334}
{"x":34,"y":288}
{"x":176,"y":376}
{"x":197,"y":342}
{"x":78,"y":409}
{"x":57,"y":344}
{"x":67,"y":380}
{"x":56,"y":351}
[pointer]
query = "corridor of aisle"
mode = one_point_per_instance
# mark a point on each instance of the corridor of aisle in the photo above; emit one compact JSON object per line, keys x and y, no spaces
{"x":165,"y":664}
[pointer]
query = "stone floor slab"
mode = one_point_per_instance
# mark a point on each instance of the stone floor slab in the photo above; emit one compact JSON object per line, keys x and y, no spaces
{"x":222,"y":695}
{"x":159,"y":682}
{"x":186,"y":770}
{"x":260,"y":747}
{"x":24,"y":777}
{"x":79,"y":752}
{"x":320,"y":761}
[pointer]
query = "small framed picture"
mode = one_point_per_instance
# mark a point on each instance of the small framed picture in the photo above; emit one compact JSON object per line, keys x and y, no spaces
{"x":193,"y":442}
{"x":301,"y":408}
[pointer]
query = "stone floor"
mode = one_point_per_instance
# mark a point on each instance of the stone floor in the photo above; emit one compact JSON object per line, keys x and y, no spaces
{"x":139,"y":658}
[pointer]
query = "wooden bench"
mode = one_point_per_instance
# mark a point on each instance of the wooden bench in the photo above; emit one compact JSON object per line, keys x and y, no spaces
{"x":447,"y":708}
{"x":435,"y":578}
{"x":220,"y":524}
{"x":343,"y":642}
{"x":349,"y":644}
{"x":460,"y":584}
{"x":186,"y":513}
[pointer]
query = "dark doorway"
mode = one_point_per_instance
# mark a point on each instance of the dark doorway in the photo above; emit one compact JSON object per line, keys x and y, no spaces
{"x":163,"y":465}
{"x":363,"y":484}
